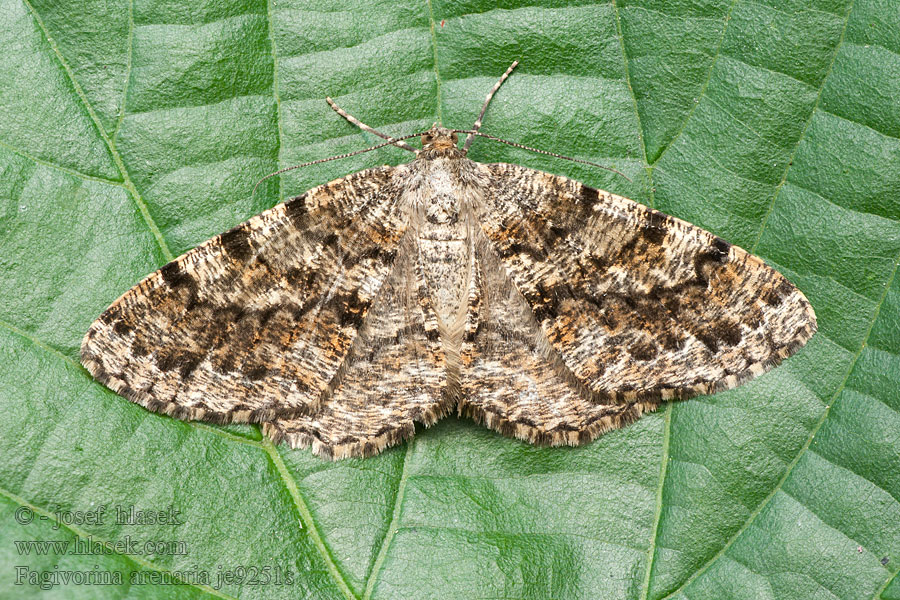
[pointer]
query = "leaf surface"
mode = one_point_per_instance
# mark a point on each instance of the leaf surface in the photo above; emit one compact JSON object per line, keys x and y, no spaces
{"x":131,"y":132}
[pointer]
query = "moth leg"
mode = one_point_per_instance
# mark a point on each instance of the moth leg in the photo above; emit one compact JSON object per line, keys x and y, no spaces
{"x":471,"y":137}
{"x":364,"y":127}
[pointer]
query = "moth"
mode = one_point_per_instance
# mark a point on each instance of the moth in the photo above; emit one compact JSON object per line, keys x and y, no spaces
{"x":545,"y":309}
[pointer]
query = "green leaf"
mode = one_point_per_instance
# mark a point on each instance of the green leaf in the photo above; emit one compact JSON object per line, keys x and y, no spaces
{"x":131,"y":132}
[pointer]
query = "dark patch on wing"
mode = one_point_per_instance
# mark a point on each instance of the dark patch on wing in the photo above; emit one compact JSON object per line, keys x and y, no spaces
{"x":189,"y":363}
{"x":721,"y":247}
{"x":729,"y":333}
{"x":295,"y":210}
{"x":643,"y":351}
{"x":169,"y":358}
{"x":777,"y":295}
{"x":138,"y":348}
{"x":330,"y":240}
{"x":516,"y":248}
{"x":255,"y":372}
{"x":713,"y":257}
{"x":175,"y":277}
{"x":545,"y":305}
{"x":300,"y":276}
{"x":229,"y":313}
{"x":122,"y":328}
{"x":557,"y":233}
{"x":672,"y":341}
{"x":350,"y":308}
{"x":267,"y":313}
{"x":472,"y":335}
{"x":236,"y":243}
{"x":656,"y":228}
{"x":589,"y":197}
{"x":707,"y":338}
{"x":772,"y":298}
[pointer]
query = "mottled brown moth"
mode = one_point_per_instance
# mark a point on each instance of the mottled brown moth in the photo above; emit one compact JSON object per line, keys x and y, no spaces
{"x":546,"y":309}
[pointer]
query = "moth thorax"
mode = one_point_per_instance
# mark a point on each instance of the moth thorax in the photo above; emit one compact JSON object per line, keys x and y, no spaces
{"x":442,"y":209}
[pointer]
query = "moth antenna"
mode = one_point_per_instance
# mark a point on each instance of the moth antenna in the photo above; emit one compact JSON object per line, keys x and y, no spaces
{"x":553,"y":154}
{"x":364,"y":127}
{"x":471,"y":137}
{"x":393,"y":141}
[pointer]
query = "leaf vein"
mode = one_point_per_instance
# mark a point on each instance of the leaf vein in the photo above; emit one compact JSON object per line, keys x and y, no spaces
{"x":66,"y":170}
{"x":770,"y":70}
{"x":831,"y":202}
{"x":77,"y":531}
{"x":392,"y":526}
{"x":854,"y":473}
{"x":712,"y":66}
{"x":863,"y":125}
{"x":142,"y":206}
{"x":531,"y":535}
{"x":637,"y":113}
{"x":128,"y":64}
{"x":809,"y":121}
{"x":306,"y":517}
{"x":663,"y":467}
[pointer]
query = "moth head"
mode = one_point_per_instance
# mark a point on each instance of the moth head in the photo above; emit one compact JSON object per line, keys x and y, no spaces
{"x":439,"y":138}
